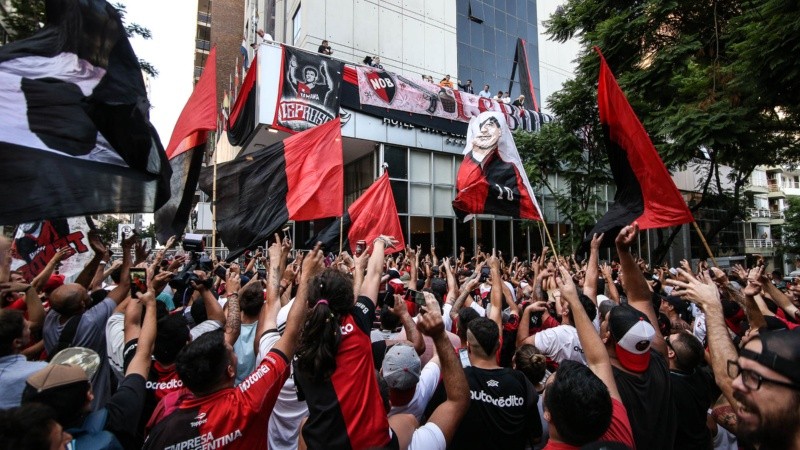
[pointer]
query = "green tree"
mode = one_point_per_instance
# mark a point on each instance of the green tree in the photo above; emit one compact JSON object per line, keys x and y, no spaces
{"x":108,"y":230}
{"x":791,"y":227}
{"x":28,"y":16}
{"x":679,"y":63}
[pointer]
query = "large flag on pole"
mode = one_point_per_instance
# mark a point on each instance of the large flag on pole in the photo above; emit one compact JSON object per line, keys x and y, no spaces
{"x":491,"y":179}
{"x":300,"y":178}
{"x":372,"y":215}
{"x":242,"y":119}
{"x":75,"y":137}
{"x":645,"y":190}
{"x":186,"y":149}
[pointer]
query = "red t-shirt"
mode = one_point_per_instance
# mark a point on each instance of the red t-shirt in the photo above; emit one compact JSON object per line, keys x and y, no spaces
{"x":231,"y":418}
{"x":346,"y":411}
{"x":618,"y":431}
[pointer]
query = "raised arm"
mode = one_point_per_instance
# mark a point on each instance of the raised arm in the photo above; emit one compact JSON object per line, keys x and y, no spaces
{"x":140,"y":364}
{"x":400,"y":309}
{"x":122,"y":290}
{"x":592,"y":267}
{"x":611,"y":288}
{"x":593,"y":348}
{"x":524,"y":330}
{"x":496,"y":295}
{"x":360,"y":263}
{"x":268,"y":317}
{"x":86,"y":275}
{"x":61,"y":254}
{"x":233,"y":324}
{"x":706,"y":295}
{"x":32,"y":303}
{"x":448,"y":415}
{"x":213,"y":309}
{"x":372,"y":280}
{"x":5,"y":259}
{"x":312,"y":265}
{"x":636,"y":287}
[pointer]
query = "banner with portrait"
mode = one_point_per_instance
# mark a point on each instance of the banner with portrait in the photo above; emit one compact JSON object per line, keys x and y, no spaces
{"x":309,"y":91}
{"x":387,"y":90}
{"x":35,"y":244}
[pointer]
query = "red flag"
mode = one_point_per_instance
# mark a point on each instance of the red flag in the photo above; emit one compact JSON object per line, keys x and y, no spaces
{"x":242,"y":118}
{"x":645,"y":190}
{"x":299,"y":178}
{"x":372,"y":215}
{"x":185,"y":151}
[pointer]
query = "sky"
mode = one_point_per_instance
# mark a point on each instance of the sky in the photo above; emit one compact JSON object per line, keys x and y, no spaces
{"x":173,"y":24}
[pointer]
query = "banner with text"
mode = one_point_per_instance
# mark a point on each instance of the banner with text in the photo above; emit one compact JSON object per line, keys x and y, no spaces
{"x":35,"y":244}
{"x":310,"y":90}
{"x":384,"y":89}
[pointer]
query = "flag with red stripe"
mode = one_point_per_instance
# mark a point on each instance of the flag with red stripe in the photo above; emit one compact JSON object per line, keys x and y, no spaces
{"x":372,"y":215}
{"x":186,"y":149}
{"x":645,"y":190}
{"x":299,"y":178}
{"x":242,"y":120}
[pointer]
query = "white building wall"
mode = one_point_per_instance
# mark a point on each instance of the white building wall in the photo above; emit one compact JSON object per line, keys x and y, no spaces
{"x":412,"y":37}
{"x":556,"y":60}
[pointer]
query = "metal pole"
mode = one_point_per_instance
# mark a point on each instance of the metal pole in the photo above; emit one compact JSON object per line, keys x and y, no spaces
{"x":214,"y":209}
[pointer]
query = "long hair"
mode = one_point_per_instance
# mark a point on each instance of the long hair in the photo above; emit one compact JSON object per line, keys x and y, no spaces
{"x":330,"y":297}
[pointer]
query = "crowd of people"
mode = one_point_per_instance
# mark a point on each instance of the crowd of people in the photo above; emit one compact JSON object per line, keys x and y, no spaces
{"x":396,"y":348}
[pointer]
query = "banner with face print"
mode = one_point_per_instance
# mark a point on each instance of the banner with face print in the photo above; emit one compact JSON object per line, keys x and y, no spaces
{"x":309,"y":92}
{"x":36,"y":243}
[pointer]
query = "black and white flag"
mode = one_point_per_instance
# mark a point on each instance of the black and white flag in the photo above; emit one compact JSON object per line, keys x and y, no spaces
{"x":75,"y":137}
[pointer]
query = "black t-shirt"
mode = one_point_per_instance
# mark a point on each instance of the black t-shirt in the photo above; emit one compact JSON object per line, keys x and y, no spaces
{"x":502,"y":410}
{"x":648,"y":399}
{"x":693,"y":394}
{"x":124,"y":408}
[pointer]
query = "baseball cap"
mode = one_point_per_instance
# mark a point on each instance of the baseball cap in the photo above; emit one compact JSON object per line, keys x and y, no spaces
{"x":55,"y":281}
{"x":71,"y":365}
{"x":676,"y":302}
{"x":484,"y":290}
{"x":780,"y":351}
{"x":633,"y":334}
{"x":401,"y":370}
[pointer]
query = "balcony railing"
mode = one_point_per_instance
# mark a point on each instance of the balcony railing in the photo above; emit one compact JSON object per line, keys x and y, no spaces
{"x":776,"y":215}
{"x":791,"y":184}
{"x":756,"y":213}
{"x":761,"y":243}
{"x":204,"y":18}
{"x":774,"y":186}
{"x":201,"y":44}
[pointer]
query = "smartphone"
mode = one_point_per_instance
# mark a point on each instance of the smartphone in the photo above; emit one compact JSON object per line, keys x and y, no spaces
{"x":138,"y":281}
{"x":417,"y":296}
{"x":220,"y":272}
{"x":485,"y":271}
{"x":262,"y":274}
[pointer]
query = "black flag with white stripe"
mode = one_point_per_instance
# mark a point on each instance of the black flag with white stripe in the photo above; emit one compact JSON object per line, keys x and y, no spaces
{"x":76,"y":137}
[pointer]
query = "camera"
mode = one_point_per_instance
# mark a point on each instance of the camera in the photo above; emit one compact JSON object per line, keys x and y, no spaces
{"x":194,"y":242}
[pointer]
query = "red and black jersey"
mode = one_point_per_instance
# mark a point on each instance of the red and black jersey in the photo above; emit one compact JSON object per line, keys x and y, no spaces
{"x":492,"y":186}
{"x":346,"y":411}
{"x":232,"y":418}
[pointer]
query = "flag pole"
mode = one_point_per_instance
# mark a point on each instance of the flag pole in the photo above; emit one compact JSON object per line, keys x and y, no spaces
{"x":341,"y":233}
{"x":549,"y":239}
{"x":214,"y":209}
{"x":705,"y":244}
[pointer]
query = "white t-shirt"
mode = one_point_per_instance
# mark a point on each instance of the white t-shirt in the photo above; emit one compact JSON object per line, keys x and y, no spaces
{"x":204,"y":327}
{"x":560,"y":343}
{"x":288,"y":413}
{"x":115,"y":343}
{"x":428,"y":437}
{"x":382,"y":335}
{"x":428,"y":381}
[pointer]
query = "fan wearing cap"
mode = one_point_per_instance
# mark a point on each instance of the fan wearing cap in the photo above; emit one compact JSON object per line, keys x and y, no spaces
{"x":637,"y":348}
{"x":762,"y":382}
{"x":671,"y":306}
{"x":65,"y":386}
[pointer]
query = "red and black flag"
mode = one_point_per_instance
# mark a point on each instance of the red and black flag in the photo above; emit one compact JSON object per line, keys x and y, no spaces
{"x":525,"y":80}
{"x":76,"y":137}
{"x":491,"y":179}
{"x":242,"y":120}
{"x":300,"y":178}
{"x":645,"y":190}
{"x":186,"y":149}
{"x":372,"y":215}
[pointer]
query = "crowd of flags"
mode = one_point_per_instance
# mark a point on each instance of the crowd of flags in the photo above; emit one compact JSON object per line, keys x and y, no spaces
{"x":76,"y":139}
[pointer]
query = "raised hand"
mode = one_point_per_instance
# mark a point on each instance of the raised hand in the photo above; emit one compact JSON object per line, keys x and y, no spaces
{"x":96,"y":243}
{"x":704,"y":293}
{"x":430,"y":322}
{"x":313,"y":263}
{"x":627,"y":236}
{"x":232,"y":283}
{"x":160,"y":281}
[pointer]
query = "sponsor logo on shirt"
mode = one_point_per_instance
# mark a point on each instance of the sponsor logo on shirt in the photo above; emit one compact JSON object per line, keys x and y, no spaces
{"x":253,"y":378}
{"x":577,"y":349}
{"x":363,"y":307}
{"x":502,"y":402}
{"x":346,"y":329}
{"x":206,"y":441}
{"x":162,"y":385}
{"x":492,"y":383}
{"x":199,"y":420}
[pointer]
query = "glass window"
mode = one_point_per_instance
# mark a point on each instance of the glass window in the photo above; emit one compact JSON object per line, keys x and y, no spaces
{"x":400,"y":193}
{"x":296,"y":22}
{"x":443,"y":237}
{"x":420,"y":167}
{"x":464,"y":237}
{"x":420,"y":232}
{"x":484,"y":232}
{"x":503,"y":238}
{"x":420,"y":201}
{"x":443,"y":201}
{"x":397,"y":159}
{"x":442,"y":168}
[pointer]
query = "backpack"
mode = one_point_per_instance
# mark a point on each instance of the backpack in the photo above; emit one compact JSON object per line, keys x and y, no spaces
{"x":93,"y":435}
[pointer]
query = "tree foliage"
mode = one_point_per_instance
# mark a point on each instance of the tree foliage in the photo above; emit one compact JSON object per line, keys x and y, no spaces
{"x":791,"y":227}
{"x":28,"y":16}
{"x":108,"y":230}
{"x":714,"y":83}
